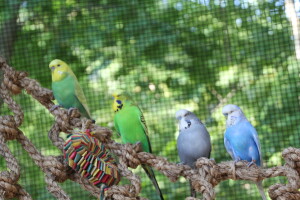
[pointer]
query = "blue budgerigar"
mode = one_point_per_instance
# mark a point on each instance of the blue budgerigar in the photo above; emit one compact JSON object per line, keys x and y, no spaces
{"x":241,"y":139}
{"x":193,"y":141}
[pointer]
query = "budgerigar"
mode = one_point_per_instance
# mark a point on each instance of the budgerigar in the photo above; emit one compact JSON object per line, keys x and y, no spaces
{"x":241,"y":139}
{"x":193,"y":141}
{"x":66,"y":88}
{"x":131,"y":125}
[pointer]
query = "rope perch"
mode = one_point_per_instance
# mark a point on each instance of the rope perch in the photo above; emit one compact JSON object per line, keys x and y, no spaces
{"x":204,"y":177}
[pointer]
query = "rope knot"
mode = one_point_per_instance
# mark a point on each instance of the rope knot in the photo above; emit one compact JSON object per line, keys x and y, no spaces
{"x":209,"y":169}
{"x":62,"y":119}
{"x":54,"y":165}
{"x":8,"y":127}
{"x":292,"y":158}
{"x":206,"y":173}
{"x":125,"y":192}
{"x":101,"y":133}
{"x":130,"y":156}
{"x":12,"y":78}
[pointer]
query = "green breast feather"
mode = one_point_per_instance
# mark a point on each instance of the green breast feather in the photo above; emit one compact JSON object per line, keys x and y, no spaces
{"x":129,"y":122}
{"x":66,"y":93}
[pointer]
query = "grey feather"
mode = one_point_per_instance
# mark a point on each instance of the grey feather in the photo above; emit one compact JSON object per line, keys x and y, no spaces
{"x":193,"y":141}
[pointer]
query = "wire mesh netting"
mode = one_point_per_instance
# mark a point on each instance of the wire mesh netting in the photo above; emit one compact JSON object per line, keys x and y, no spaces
{"x":169,"y":55}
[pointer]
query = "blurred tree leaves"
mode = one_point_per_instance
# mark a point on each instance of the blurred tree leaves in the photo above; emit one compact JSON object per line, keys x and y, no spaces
{"x":169,"y":54}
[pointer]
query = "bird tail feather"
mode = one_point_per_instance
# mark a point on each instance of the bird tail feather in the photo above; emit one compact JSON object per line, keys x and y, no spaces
{"x":261,"y":190}
{"x":151,"y":175}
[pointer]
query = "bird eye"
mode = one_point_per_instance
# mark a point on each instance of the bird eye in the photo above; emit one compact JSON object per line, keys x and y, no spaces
{"x":58,"y":65}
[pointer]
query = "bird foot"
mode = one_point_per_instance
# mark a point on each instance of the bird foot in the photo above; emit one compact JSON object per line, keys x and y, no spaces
{"x":54,"y":107}
{"x":251,"y":163}
{"x":72,"y":112}
{"x":138,"y":147}
{"x":236,"y":160}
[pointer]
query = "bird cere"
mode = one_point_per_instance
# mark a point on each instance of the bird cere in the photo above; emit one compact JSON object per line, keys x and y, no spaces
{"x":86,"y":155}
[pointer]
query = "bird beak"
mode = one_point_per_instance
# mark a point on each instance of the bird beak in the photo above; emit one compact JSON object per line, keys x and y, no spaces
{"x":188,"y":122}
{"x":52,"y":68}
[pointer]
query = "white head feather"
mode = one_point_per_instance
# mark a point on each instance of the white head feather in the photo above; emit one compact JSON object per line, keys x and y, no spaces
{"x":233,"y":114}
{"x":186,"y":119}
{"x":181,"y":114}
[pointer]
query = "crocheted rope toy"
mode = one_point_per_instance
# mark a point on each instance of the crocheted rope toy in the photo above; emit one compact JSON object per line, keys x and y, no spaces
{"x":89,"y":157}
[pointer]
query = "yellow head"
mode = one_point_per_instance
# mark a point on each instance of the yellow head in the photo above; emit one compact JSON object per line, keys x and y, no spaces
{"x":59,"y":69}
{"x":119,"y":99}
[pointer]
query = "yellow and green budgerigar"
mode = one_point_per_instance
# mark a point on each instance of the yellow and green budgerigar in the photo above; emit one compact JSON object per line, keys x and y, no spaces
{"x":131,"y":125}
{"x":66,"y":88}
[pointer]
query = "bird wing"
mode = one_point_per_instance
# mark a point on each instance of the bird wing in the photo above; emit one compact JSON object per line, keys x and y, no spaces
{"x":228,"y":147}
{"x":145,"y":128}
{"x":116,"y":126}
{"x":80,"y":95}
{"x":256,"y":140}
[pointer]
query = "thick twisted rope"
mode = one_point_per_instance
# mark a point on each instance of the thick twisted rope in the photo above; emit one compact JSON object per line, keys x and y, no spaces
{"x":204,"y":177}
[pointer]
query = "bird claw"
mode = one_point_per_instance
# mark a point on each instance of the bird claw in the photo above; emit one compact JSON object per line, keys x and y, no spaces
{"x":72,"y":112}
{"x":54,"y":107}
{"x":251,"y":163}
{"x":236,"y":160}
{"x":138,"y":146}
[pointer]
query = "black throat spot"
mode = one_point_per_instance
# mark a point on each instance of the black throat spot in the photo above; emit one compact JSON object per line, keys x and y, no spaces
{"x":120,"y":106}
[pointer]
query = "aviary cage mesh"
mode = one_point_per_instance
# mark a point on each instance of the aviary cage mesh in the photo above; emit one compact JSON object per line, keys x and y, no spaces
{"x":169,"y":54}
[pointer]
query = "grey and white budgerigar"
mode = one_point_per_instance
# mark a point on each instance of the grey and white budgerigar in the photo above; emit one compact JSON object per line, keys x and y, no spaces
{"x":241,"y":139}
{"x":193,"y":141}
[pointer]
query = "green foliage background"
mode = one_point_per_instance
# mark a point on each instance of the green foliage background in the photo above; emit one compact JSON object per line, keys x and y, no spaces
{"x":169,"y":54}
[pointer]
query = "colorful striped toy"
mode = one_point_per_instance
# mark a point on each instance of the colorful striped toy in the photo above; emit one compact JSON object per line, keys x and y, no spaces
{"x":89,"y":157}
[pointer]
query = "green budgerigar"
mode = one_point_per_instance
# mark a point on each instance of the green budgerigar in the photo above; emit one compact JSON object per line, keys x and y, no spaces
{"x":130,"y":124}
{"x":66,"y":88}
